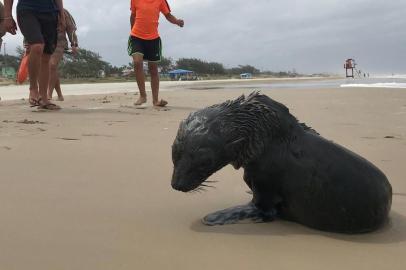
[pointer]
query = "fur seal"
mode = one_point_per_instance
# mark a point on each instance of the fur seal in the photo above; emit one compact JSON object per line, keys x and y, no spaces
{"x":294,"y":173}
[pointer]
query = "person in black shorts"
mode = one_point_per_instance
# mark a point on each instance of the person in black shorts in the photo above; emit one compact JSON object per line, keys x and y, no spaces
{"x":144,"y":44}
{"x":150,"y":49}
{"x":38,"y":22}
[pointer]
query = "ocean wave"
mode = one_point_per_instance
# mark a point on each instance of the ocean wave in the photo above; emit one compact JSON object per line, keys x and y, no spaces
{"x":394,"y":76}
{"x":375,"y":85}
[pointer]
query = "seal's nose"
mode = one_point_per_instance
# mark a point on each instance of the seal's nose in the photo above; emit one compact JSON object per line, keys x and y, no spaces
{"x":176,"y":185}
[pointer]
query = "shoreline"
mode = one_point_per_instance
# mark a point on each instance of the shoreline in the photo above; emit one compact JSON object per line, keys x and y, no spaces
{"x":16,"y":92}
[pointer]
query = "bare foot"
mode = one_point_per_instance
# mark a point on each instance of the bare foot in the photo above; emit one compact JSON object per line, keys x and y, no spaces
{"x":61,"y":98}
{"x":161,"y":103}
{"x":34,"y":97}
{"x":140,"y":101}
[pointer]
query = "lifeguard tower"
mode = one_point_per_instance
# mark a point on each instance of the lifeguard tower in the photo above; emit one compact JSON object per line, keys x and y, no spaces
{"x":350,"y":66}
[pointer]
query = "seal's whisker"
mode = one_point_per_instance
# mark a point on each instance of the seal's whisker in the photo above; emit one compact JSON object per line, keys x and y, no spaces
{"x":201,"y":189}
{"x":209,"y":186}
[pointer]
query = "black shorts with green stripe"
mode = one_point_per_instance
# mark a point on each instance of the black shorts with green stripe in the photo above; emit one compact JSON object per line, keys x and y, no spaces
{"x":150,"y":49}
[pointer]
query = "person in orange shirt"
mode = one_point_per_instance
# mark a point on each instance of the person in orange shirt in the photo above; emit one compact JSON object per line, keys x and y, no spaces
{"x":145,"y":44}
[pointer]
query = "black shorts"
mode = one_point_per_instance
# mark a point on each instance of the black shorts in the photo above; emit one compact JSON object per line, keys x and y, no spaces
{"x":39,"y":27}
{"x":150,"y":49}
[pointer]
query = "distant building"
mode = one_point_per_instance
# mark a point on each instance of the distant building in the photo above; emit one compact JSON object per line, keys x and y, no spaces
{"x":8,"y":72}
{"x":246,"y":76}
{"x":101,"y":74}
{"x":127,"y":72}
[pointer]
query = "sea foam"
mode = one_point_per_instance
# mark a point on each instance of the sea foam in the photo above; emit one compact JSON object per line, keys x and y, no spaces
{"x":375,"y":85}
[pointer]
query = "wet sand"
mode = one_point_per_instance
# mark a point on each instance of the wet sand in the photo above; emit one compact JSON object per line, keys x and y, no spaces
{"x":89,"y":187}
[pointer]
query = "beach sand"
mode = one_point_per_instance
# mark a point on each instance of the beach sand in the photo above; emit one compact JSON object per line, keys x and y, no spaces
{"x":88,"y":187}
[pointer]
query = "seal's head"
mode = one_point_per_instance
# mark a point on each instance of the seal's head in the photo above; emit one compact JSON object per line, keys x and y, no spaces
{"x":234,"y":132}
{"x":198,"y":151}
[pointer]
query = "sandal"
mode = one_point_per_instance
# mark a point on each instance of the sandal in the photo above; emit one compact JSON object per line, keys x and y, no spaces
{"x":49,"y":107}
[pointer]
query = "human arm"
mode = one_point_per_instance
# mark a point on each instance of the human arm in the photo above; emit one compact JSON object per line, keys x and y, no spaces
{"x":71,"y":32}
{"x":74,"y":43}
{"x":174,"y":20}
{"x":61,"y":16}
{"x":132,"y":19}
{"x":9,"y":23}
{"x":73,"y":39}
{"x":133,"y":14}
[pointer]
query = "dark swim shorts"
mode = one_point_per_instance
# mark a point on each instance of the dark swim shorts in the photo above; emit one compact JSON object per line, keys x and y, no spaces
{"x":150,"y":49}
{"x":39,"y":27}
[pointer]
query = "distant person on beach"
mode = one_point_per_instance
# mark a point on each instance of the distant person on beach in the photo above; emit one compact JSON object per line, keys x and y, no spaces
{"x":61,"y":47}
{"x":38,"y":21}
{"x":145,"y":44}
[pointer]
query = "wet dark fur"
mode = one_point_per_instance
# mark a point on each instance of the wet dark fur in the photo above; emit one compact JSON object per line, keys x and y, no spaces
{"x":290,"y":168}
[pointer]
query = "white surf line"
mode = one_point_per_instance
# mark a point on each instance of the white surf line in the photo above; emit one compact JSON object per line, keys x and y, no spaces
{"x":375,"y":85}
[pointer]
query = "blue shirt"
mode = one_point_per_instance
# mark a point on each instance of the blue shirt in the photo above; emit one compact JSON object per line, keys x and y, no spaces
{"x":38,"y":5}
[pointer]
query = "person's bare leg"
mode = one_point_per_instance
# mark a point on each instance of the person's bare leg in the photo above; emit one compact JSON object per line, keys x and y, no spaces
{"x":54,"y":82}
{"x":53,"y":65}
{"x":43,"y":83}
{"x":34,"y":65}
{"x":153,"y":71}
{"x":140,"y":77}
{"x":58,"y":87}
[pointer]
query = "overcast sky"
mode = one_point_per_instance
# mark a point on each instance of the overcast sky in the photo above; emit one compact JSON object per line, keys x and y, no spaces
{"x":306,"y":35}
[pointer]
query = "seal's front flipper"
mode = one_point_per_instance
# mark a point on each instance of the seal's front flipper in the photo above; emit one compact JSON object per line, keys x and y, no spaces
{"x":239,"y":214}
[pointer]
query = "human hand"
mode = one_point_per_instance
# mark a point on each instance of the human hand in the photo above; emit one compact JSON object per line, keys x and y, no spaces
{"x":10,"y":25}
{"x":181,"y":23}
{"x":27,"y":48}
{"x":75,"y":50}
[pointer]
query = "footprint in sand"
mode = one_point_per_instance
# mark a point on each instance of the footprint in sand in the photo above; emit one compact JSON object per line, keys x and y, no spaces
{"x":161,"y":109}
{"x":6,"y":148}
{"x":105,"y":100}
{"x":97,"y":135}
{"x":139,"y":107}
{"x":369,"y":138}
{"x":30,"y":122}
{"x":392,"y":137}
{"x":68,"y":139}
